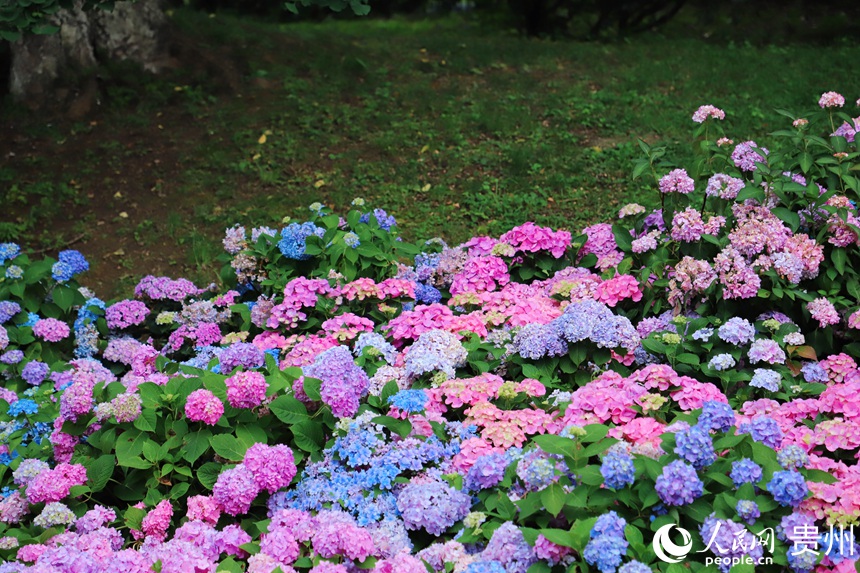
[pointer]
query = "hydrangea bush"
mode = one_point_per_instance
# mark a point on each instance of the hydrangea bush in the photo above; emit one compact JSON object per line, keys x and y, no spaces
{"x":537,"y":402}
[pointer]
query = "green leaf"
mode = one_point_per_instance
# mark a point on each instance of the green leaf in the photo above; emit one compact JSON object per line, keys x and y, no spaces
{"x":839,"y":258}
{"x":553,"y":498}
{"x":228,"y":447}
{"x":195,"y":445}
{"x":289,"y":410}
{"x":207,"y":475}
{"x":129,"y":446}
{"x":400,"y":427}
{"x":147,"y":420}
{"x":308,"y":436}
{"x":553,"y":444}
{"x":230,"y":565}
{"x":594,"y":433}
{"x":558,"y":536}
{"x":311,"y":386}
{"x":818,"y":475}
{"x":65,"y":297}
{"x":623,"y":238}
{"x":133,"y":517}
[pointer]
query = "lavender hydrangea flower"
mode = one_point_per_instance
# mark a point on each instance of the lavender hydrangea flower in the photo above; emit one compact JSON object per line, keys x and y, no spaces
{"x":534,"y":341}
{"x":737,"y":331}
{"x":716,"y":416}
{"x":722,"y":362}
{"x":788,"y":488}
{"x":792,"y":457}
{"x":745,"y":471}
{"x":678,"y":484}
{"x":763,"y":429}
{"x":433,"y":506}
{"x":695,"y":446}
{"x":487,"y":471}
{"x":767,"y":379}
{"x":617,"y":470}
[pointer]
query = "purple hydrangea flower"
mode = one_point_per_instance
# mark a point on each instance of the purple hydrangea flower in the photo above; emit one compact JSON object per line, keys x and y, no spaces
{"x":678,"y":484}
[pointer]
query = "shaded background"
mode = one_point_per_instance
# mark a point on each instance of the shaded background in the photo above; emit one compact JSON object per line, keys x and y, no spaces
{"x":460,"y":118}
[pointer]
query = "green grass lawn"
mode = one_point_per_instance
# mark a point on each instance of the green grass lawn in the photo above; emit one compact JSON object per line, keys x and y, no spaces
{"x":455,"y":128}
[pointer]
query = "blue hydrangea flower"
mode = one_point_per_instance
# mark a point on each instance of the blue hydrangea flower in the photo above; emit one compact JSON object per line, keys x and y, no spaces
{"x":8,"y":309}
{"x":534,"y":341}
{"x":62,"y":272}
{"x":293,"y":239}
{"x":745,"y":471}
{"x":716,"y":416}
{"x":14,"y":272}
{"x":748,"y":511}
{"x":763,"y":429}
{"x":23,"y":406}
{"x":605,"y":552}
{"x":427,"y":294}
{"x":75,"y":260}
{"x":351,"y":240}
{"x":8,"y":251}
{"x":617,"y":470}
{"x":695,"y":446}
{"x":385,"y":220}
{"x":788,"y":488}
{"x":703,"y":334}
{"x":792,"y":457}
{"x":487,"y":471}
{"x":814,"y":372}
{"x":610,"y":523}
{"x":634,"y":567}
{"x":410,"y":401}
{"x":767,"y":379}
{"x":485,"y":567}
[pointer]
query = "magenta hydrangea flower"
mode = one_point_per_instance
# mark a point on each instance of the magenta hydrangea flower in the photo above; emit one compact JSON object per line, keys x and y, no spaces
{"x":51,"y":329}
{"x":677,"y":181}
{"x":126,"y":313}
{"x":203,"y":406}
{"x":203,"y":508}
{"x":273,"y":467}
{"x":246,"y":389}
{"x":235,"y":490}
{"x":157,"y":521}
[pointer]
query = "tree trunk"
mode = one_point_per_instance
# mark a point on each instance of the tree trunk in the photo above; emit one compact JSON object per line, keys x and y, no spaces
{"x":41,"y":65}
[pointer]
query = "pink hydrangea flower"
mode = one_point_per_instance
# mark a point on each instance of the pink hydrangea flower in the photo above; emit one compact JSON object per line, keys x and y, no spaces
{"x":706,"y":111}
{"x":549,"y":551}
{"x":203,"y":406}
{"x":823,"y":311}
{"x":235,"y":490}
{"x":273,"y":467}
{"x":246,"y":389}
{"x":203,"y":508}
{"x":831,"y":99}
{"x":619,"y":288}
{"x":677,"y":181}
{"x":157,"y":521}
{"x":530,"y":238}
{"x":688,"y":226}
{"x":51,"y":329}
{"x":126,"y":313}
